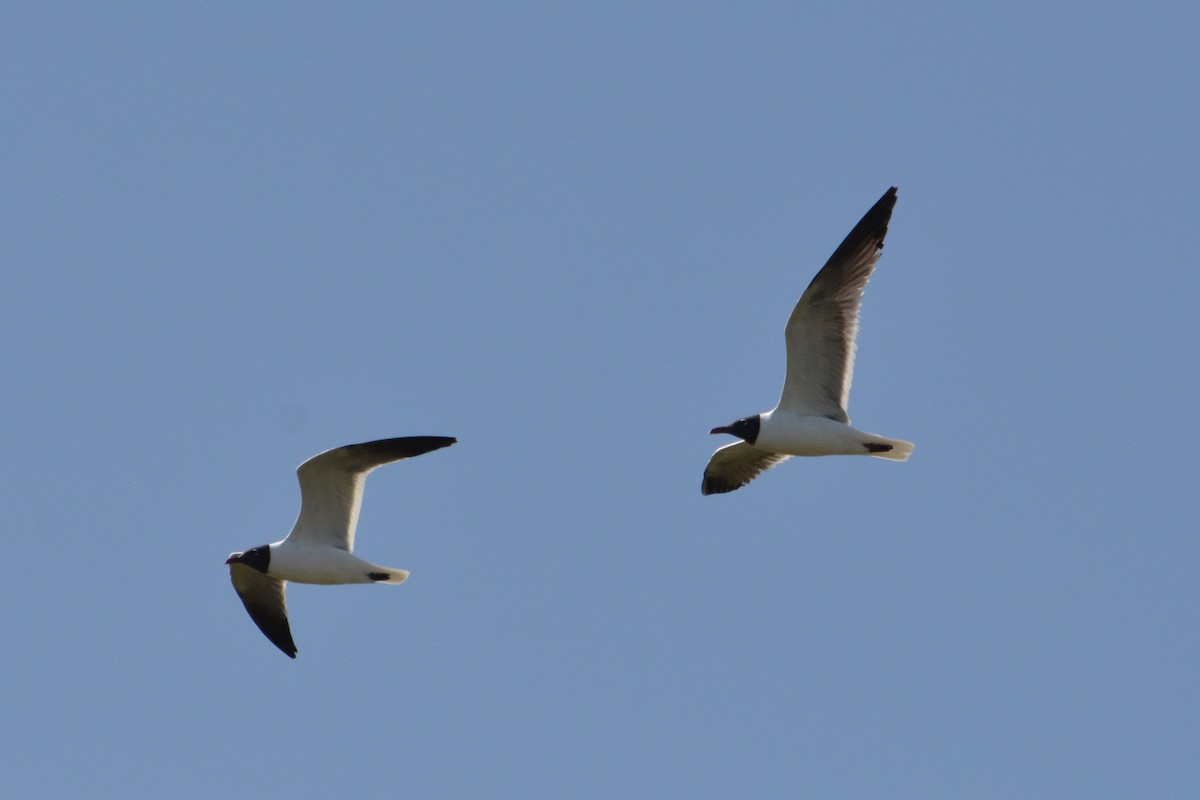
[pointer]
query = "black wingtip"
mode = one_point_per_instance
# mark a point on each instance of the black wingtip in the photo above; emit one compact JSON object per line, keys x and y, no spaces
{"x":427,"y":444}
{"x":282,"y":640}
{"x":424,"y":443}
{"x":717,"y":486}
{"x":402,"y":446}
{"x":873,"y":226}
{"x":881,"y":212}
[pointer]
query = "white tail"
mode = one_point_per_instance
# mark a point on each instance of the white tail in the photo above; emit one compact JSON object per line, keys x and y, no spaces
{"x":900,"y":450}
{"x":387,"y":575}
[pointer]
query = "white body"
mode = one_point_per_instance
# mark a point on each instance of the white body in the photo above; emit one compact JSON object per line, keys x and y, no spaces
{"x":319,"y":548}
{"x":811,"y":418}
{"x":325,"y":565}
{"x":795,"y":434}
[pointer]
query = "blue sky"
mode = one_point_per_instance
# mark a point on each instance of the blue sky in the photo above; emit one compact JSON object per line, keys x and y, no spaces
{"x":235,"y":235}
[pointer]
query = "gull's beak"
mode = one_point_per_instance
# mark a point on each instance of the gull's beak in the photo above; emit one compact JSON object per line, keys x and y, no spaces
{"x":721,"y":429}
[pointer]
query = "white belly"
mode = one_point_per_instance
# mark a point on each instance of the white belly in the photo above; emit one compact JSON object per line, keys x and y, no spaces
{"x":797,"y":435}
{"x":325,"y":565}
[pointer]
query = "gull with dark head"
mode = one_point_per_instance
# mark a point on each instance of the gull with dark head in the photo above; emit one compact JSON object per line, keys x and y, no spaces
{"x":811,"y":418}
{"x":320,"y":548}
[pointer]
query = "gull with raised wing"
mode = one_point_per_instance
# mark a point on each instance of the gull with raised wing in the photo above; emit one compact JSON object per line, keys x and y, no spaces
{"x":320,"y":547}
{"x":811,"y":419}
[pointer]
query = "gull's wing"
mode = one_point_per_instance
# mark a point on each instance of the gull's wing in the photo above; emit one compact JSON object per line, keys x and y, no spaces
{"x":820,"y":333}
{"x":735,"y":465}
{"x":331,"y":486}
{"x":263,"y":598}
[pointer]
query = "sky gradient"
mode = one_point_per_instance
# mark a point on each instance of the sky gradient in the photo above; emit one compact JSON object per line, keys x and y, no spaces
{"x":237,"y":235}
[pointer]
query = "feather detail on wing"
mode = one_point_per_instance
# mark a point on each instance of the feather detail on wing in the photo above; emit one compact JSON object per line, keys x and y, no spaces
{"x":331,"y":486}
{"x":264,"y":600}
{"x":735,"y":465}
{"x":821,"y":330}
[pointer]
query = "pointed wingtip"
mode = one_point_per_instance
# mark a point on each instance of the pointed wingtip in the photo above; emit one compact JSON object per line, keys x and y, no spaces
{"x":712,"y":485}
{"x":383,"y":451}
{"x":285,"y":645}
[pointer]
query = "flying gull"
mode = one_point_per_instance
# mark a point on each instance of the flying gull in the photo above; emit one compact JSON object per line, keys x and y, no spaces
{"x":320,"y":547}
{"x":811,"y":419}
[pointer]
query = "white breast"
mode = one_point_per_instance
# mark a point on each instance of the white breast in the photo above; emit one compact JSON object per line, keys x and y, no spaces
{"x":325,"y":565}
{"x":799,"y":435}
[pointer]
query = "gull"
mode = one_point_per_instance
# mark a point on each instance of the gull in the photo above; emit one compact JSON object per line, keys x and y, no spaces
{"x":810,"y":418}
{"x":320,"y":547}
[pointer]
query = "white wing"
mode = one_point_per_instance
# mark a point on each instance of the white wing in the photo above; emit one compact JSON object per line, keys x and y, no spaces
{"x":331,"y":486}
{"x":735,"y":465}
{"x":821,"y":330}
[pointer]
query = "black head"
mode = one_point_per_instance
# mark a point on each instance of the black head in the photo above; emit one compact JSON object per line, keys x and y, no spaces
{"x":257,"y":557}
{"x":745,"y":428}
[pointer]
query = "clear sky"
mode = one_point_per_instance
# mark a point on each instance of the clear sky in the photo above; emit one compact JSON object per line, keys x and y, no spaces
{"x":235,"y":235}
